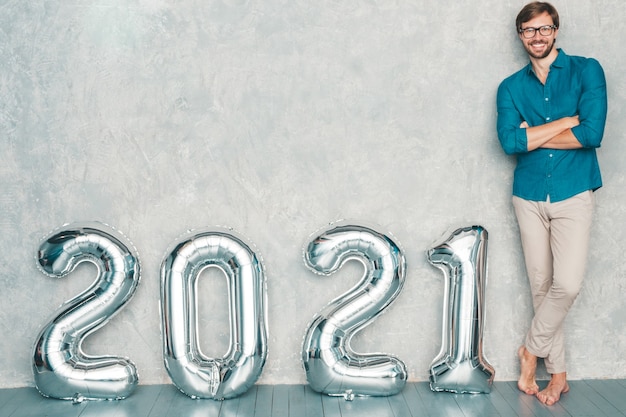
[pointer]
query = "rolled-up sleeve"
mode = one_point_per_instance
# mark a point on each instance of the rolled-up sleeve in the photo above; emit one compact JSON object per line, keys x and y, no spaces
{"x":592,"y":106}
{"x":512,"y":138}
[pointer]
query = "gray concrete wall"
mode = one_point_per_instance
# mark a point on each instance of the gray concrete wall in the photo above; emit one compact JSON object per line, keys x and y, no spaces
{"x":276,"y":117}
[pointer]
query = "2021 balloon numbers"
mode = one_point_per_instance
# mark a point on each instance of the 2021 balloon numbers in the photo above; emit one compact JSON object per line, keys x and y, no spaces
{"x":62,"y":370}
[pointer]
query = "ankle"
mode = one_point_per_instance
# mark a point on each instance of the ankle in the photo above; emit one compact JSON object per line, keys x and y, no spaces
{"x":559,"y":377}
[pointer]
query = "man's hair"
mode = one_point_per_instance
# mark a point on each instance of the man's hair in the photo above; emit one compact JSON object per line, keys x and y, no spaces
{"x":534,"y":9}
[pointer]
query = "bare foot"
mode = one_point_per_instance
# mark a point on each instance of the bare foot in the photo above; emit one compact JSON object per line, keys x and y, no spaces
{"x":552,"y":393}
{"x":528,"y":367}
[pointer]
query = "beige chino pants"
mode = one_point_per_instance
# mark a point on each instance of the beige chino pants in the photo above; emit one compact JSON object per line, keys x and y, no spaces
{"x":555,"y":241}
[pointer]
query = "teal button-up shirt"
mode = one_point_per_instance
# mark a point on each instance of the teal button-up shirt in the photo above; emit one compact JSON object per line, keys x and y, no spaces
{"x":575,"y":86}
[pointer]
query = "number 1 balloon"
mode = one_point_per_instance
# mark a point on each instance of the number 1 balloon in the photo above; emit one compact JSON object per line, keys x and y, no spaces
{"x":60,"y":367}
{"x":460,"y":366}
{"x":190,"y":370}
{"x":331,"y":366}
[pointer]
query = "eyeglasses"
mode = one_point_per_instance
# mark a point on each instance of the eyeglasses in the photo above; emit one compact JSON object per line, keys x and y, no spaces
{"x":543,"y":31}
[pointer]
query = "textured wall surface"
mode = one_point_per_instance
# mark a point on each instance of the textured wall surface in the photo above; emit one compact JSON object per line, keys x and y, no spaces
{"x":276,"y":117}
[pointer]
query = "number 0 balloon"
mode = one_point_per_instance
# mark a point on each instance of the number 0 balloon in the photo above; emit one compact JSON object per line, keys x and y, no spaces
{"x":460,"y":366}
{"x":192,"y":372}
{"x":332,"y":367}
{"x":60,"y":367}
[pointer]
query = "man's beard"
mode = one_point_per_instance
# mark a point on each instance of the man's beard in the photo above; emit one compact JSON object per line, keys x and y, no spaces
{"x":542,"y":55}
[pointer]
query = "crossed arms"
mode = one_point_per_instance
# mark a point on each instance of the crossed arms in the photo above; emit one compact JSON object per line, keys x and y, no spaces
{"x":554,"y":135}
{"x":584,"y":127}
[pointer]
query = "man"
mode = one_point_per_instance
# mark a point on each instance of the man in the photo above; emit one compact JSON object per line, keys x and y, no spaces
{"x":551,"y":115}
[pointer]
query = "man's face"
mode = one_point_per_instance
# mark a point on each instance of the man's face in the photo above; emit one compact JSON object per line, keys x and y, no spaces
{"x":539,"y":46}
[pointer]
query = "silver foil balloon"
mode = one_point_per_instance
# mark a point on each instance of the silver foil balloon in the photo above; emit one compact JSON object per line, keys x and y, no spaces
{"x":61,"y":369}
{"x":331,"y":366}
{"x":192,"y":372}
{"x":460,"y":366}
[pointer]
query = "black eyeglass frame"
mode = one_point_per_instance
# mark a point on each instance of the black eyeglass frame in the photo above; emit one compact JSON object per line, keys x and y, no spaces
{"x":534,"y":31}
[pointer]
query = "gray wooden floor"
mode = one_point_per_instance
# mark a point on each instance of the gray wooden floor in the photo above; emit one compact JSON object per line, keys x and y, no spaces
{"x":593,"y":398}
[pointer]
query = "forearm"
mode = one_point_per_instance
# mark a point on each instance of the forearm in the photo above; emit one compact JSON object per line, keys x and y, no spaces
{"x":558,"y":132}
{"x":564,"y":140}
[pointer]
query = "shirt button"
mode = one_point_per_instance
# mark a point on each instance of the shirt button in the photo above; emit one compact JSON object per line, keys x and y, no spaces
{"x":550,"y":155}
{"x":547,"y":99}
{"x":547,"y":119}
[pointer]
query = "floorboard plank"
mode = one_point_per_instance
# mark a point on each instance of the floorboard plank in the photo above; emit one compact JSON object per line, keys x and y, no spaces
{"x":363,"y":406}
{"x":6,"y":395}
{"x":595,"y":391}
{"x":32,"y":404}
{"x":476,"y":405}
{"x":246,"y":406}
{"x":183,"y":405}
{"x":140,"y":403}
{"x":312,"y":403}
{"x":578,"y":404}
{"x":14,"y":398}
{"x":499,"y":402}
{"x":590,"y":390}
{"x":438,"y":404}
{"x":264,"y":396}
{"x":414,"y":400}
{"x":230,"y":407}
{"x":297,"y":404}
{"x":514,"y":398}
{"x":280,"y":401}
{"x":399,"y":405}
{"x":331,"y":406}
{"x":163,"y":401}
{"x":615,"y":394}
{"x":104,"y":409}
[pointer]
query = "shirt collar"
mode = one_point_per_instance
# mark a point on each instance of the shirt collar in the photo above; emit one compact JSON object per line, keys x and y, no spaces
{"x":559,"y":62}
